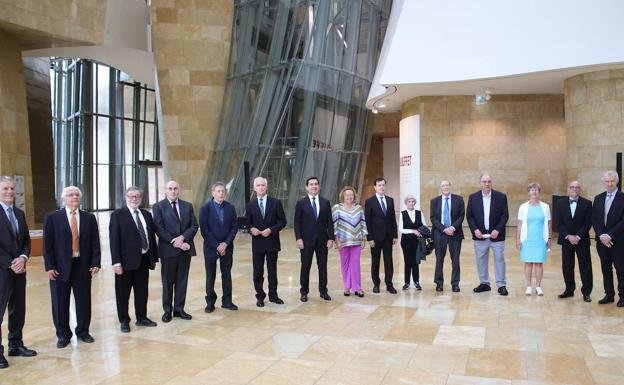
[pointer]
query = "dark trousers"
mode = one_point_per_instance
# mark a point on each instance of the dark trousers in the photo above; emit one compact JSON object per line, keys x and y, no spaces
{"x":320,"y":249}
{"x":225,"y":264}
{"x":133,"y":279}
{"x":442,"y":243}
{"x":258,"y":273}
{"x":174,"y":273}
{"x":609,"y":257}
{"x":585,"y":268}
{"x":13,"y":295}
{"x":80,"y":283}
{"x":386,"y":247}
{"x":409,"y":260}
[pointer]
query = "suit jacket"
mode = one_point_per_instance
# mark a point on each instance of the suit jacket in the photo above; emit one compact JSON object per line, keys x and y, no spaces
{"x":579,"y":225}
{"x":499,"y":214}
{"x":312,"y":229}
{"x":125,"y":241}
{"x":10,"y":247}
{"x":215,"y":232}
{"x":57,"y":243}
{"x":380,"y":226}
{"x":615,"y":217}
{"x":457,"y":216}
{"x":167,"y":227}
{"x":274,"y":219}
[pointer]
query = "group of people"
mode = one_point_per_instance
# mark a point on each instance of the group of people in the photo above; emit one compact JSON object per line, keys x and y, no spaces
{"x":139,"y":239}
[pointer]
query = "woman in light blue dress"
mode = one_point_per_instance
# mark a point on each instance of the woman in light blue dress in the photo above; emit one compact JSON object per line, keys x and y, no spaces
{"x":533,"y":237}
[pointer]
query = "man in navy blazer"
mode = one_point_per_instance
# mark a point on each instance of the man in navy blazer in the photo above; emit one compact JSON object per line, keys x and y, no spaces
{"x":382,"y":233}
{"x":133,"y":254}
{"x":608,"y":221}
{"x":71,"y":254}
{"x":218,"y":225}
{"x":176,"y":226}
{"x":14,"y":253}
{"x":314,"y":232}
{"x":447,"y":216}
{"x":266,"y":218}
{"x":487,"y":215}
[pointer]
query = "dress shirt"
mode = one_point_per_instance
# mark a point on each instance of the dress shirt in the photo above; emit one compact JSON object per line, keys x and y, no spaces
{"x":264,"y":202}
{"x":412,"y":215}
{"x":573,"y":204}
{"x":442,"y":208}
{"x":68,"y":212}
{"x":385,"y":201}
{"x":316,"y":200}
{"x":177,"y":201}
{"x":143,"y":223}
{"x":6,"y":208}
{"x":487,"y":199}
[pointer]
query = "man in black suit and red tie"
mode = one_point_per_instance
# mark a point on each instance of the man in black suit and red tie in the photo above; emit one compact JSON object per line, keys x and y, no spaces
{"x":266,"y":218}
{"x":447,"y":215}
{"x":314,"y":231}
{"x":71,"y":254}
{"x":382,"y":233}
{"x":608,"y":222}
{"x":133,"y":254}
{"x":14,"y":253}
{"x":176,"y":226}
{"x":573,"y":219}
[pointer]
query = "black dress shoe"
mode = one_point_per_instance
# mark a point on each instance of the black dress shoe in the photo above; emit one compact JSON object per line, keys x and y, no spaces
{"x":375,"y":289}
{"x":455,"y":289}
{"x":22,"y":351}
{"x":304,"y":298}
{"x":346,"y":293}
{"x":406,"y":286}
{"x":259,"y":303}
{"x":359,"y":294}
{"x":125,"y":327}
{"x":439,"y":287}
{"x":231,"y":306}
{"x":87,"y":338}
{"x":166,"y":317}
{"x":146,"y":322}
{"x":620,"y":303}
{"x":3,"y":362}
{"x":326,"y":297}
{"x":566,"y":294}
{"x":209,"y":308}
{"x":391,"y":290}
{"x":276,"y":300}
{"x":586,"y":298}
{"x":606,"y":299}
{"x":483,"y":287}
{"x":503,"y":291}
{"x":62,"y":342}
{"x":182,"y":315}
{"x":418,"y":287}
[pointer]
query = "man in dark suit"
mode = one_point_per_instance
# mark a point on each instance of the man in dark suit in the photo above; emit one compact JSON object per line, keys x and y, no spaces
{"x":382,"y":233}
{"x":487,"y":216}
{"x":266,"y":218}
{"x":71,"y":253}
{"x":14,"y":253}
{"x":608,"y":221}
{"x":314,"y":231}
{"x":573,"y":219}
{"x":176,"y":226}
{"x":218,"y":225}
{"x":133,"y":254}
{"x":447,"y":216}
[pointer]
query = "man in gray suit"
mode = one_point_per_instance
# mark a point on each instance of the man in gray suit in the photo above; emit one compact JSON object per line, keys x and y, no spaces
{"x":176,"y":226}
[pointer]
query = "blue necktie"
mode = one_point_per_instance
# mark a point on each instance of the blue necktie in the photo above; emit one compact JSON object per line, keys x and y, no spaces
{"x":314,"y":207}
{"x":447,"y":213}
{"x":383,"y":206}
{"x":12,"y":220}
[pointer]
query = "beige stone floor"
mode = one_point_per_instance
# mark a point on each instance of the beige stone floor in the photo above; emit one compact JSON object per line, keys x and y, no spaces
{"x":410,"y":338}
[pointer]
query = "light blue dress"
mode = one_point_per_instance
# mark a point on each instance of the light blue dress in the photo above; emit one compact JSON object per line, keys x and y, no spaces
{"x":534,"y":247}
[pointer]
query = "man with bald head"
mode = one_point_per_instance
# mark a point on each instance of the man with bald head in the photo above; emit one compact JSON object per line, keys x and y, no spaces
{"x":176,"y":226}
{"x":573,"y":219}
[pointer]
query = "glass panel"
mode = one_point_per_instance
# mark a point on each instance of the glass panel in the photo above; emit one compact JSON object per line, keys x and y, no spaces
{"x":103,"y":87}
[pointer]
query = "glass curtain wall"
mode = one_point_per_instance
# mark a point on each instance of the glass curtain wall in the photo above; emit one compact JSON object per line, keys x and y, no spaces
{"x":104,"y":126}
{"x":294,"y":106}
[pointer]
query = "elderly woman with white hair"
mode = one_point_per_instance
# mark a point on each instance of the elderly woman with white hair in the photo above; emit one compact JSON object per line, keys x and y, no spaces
{"x":409,"y":222}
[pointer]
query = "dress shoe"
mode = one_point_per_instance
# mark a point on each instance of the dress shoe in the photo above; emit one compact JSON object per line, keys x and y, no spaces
{"x":209,"y":308}
{"x":375,"y":289}
{"x":455,"y":288}
{"x":346,"y":293}
{"x":586,"y":298}
{"x":146,"y":322}
{"x":231,"y":306}
{"x":304,"y":298}
{"x":439,"y":287}
{"x":359,"y":294}
{"x":22,"y":351}
{"x":481,"y":288}
{"x":125,"y":327}
{"x":620,"y":303}
{"x":566,"y":294}
{"x":406,"y":286}
{"x":606,"y":299}
{"x":259,"y":303}
{"x":62,"y":342}
{"x":87,"y":338}
{"x":418,"y":287}
{"x":166,"y":317}
{"x":326,"y":297}
{"x":3,"y":362}
{"x":503,"y":291}
{"x":182,"y":315}
{"x":276,"y":300}
{"x":391,"y":290}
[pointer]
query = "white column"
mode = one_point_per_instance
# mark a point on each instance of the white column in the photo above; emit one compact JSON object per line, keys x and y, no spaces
{"x":409,"y":159}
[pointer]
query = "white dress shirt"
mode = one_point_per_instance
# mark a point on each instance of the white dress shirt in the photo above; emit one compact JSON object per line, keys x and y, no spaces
{"x":412,"y":215}
{"x":177,"y":201}
{"x":487,"y":199}
{"x":68,"y":212}
{"x":316,"y":203}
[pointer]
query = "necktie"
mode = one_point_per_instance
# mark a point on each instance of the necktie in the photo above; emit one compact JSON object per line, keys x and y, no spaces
{"x":383,"y":206}
{"x":446,"y":213}
{"x":141,"y":230}
{"x":12,"y":219}
{"x":314,"y":210}
{"x":73,"y":224}
{"x":262,"y":207}
{"x":175,"y":210}
{"x":573,"y":206}
{"x":607,"y":206}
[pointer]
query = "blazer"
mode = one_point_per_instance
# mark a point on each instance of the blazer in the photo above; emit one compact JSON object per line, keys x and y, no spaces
{"x":10,"y":247}
{"x":457,"y":216}
{"x":57,"y":243}
{"x":167,"y":227}
{"x":615,"y":218}
{"x":565,"y":225}
{"x":309,"y":228}
{"x":215,"y":232}
{"x":274,"y":219}
{"x":499,"y":214}
{"x":125,"y":241}
{"x":380,"y":226}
